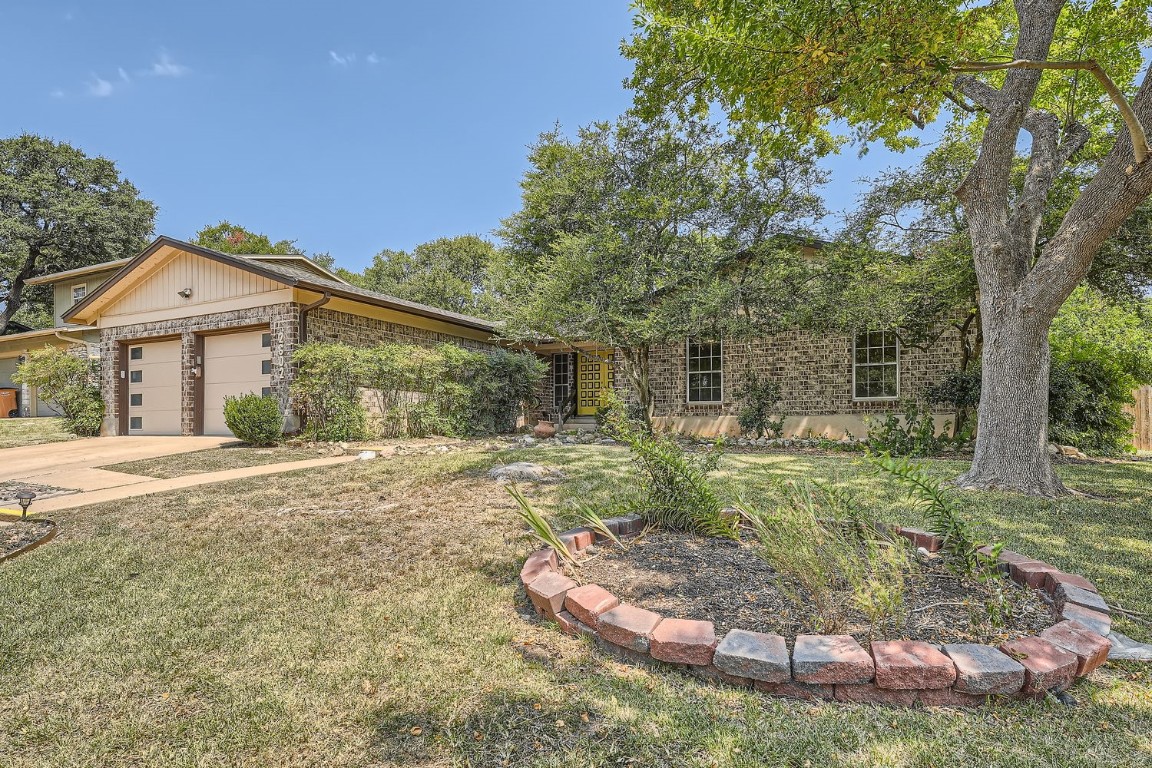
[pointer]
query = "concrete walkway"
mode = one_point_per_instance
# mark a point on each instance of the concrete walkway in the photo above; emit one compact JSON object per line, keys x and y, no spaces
{"x":76,"y":465}
{"x":143,"y":486}
{"x":73,"y":464}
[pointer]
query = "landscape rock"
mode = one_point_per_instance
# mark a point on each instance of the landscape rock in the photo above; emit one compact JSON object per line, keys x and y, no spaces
{"x":1100,"y":623}
{"x":523,"y":471}
{"x":754,"y":655}
{"x":909,"y":665}
{"x":683,"y":641}
{"x":1069,"y":593}
{"x":1090,"y":649}
{"x":1125,"y":648}
{"x":982,"y":669}
{"x":830,"y":659}
{"x":1046,"y":666}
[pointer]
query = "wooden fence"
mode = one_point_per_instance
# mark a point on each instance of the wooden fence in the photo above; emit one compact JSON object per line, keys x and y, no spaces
{"x":1142,"y":418}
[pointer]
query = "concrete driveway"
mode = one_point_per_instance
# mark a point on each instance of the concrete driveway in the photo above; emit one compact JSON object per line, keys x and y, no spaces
{"x":73,"y":464}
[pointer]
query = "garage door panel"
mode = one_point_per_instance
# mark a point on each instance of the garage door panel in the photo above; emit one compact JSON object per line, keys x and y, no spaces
{"x":154,"y":383}
{"x":234,"y":364}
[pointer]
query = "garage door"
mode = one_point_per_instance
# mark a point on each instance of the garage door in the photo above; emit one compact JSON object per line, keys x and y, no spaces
{"x":234,"y":364}
{"x":154,"y":388}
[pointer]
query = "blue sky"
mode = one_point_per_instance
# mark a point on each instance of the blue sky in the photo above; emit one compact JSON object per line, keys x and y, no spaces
{"x":348,"y":126}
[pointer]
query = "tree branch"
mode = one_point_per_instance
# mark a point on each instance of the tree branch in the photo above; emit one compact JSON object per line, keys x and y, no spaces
{"x":1140,"y":146}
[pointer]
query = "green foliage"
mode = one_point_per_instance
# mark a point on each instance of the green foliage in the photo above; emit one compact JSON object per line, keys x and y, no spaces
{"x":939,"y":508}
{"x":1101,"y":351}
{"x":538,"y":525}
{"x":821,"y":543}
{"x":961,"y":391}
{"x":411,"y":390}
{"x":801,"y":69}
{"x":592,"y":519}
{"x":911,"y":434}
{"x":644,"y":232}
{"x":450,"y":273}
{"x":231,"y":238}
{"x":254,"y":419}
{"x":674,"y":491}
{"x":758,"y":397}
{"x":59,"y":210}
{"x":68,"y":382}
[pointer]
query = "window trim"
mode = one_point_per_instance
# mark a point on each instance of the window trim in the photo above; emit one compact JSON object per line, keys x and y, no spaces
{"x":72,"y":291}
{"x":688,"y":374}
{"x":890,"y":398}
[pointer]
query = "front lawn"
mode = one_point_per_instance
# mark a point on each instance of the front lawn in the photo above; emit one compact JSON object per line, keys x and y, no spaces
{"x":217,"y":459}
{"x":18,"y":432}
{"x":368,"y":614}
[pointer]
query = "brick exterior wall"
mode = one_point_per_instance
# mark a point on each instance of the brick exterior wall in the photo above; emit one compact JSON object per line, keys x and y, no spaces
{"x":326,"y":325}
{"x":283,"y":321}
{"x":814,"y":372}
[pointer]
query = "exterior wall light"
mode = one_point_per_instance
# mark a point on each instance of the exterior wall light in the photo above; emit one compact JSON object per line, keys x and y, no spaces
{"x":185,"y":293}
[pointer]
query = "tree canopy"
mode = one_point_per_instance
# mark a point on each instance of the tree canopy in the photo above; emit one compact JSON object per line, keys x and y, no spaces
{"x":60,"y":209}
{"x":449,"y":273}
{"x":1063,"y":73}
{"x":227,"y":237}
{"x":639,"y":232}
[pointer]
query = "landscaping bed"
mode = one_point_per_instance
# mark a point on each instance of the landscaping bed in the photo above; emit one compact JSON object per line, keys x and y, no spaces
{"x":16,"y":536}
{"x":728,"y":583}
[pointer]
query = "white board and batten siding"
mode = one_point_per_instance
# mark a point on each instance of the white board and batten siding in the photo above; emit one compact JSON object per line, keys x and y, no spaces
{"x":210,"y":281}
{"x":234,"y":364}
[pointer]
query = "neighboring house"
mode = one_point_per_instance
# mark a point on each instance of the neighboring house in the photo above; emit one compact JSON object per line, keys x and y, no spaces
{"x":68,"y":288}
{"x":180,"y":327}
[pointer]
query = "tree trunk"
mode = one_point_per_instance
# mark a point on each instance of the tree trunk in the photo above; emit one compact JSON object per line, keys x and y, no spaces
{"x":1012,"y":437}
{"x":636,"y":369}
{"x":15,"y":298}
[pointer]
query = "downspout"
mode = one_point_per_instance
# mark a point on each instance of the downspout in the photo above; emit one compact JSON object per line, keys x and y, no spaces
{"x":304,"y":310}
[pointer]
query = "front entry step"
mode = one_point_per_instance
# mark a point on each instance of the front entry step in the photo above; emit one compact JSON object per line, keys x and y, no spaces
{"x":580,"y":424}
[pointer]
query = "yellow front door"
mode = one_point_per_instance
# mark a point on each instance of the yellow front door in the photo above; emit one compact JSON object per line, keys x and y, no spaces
{"x":593,"y":381}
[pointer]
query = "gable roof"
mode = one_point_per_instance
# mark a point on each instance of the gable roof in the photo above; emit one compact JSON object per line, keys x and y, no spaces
{"x":91,"y":269}
{"x":286,"y":271}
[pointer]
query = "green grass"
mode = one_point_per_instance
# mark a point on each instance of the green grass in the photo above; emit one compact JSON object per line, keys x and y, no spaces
{"x":216,"y":459}
{"x":320,"y":618}
{"x":17,"y":432}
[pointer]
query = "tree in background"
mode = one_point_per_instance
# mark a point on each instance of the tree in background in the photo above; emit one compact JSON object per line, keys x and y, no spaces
{"x":60,"y":209}
{"x":227,"y":237}
{"x":450,"y":273}
{"x":798,"y":70}
{"x":640,"y":233}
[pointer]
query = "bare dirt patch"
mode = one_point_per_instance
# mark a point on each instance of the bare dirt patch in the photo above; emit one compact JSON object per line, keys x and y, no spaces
{"x":726,"y":582}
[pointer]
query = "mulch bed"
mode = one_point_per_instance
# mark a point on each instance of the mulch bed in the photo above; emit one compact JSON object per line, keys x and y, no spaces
{"x":726,"y":582}
{"x":18,"y":534}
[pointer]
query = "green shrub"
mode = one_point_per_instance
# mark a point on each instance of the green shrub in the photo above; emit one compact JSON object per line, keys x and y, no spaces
{"x":915,"y":435}
{"x":68,"y":382}
{"x":758,"y":397}
{"x":254,"y":419}
{"x":674,"y":491}
{"x":960,"y":390}
{"x":411,"y":391}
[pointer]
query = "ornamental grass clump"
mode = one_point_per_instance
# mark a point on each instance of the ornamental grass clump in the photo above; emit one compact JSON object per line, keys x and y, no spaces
{"x":830,"y":556}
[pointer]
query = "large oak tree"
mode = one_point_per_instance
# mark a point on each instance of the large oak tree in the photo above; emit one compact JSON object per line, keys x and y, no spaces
{"x":61,"y":209}
{"x":788,"y":70}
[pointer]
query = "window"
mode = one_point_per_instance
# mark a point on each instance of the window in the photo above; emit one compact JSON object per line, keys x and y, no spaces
{"x":705,"y":372}
{"x":266,"y":367}
{"x":136,"y":422}
{"x":561,"y":383}
{"x":876,"y":366}
{"x":136,"y":353}
{"x":79,"y":291}
{"x":136,"y":376}
{"x":136,"y":399}
{"x":266,"y":340}
{"x":266,"y":392}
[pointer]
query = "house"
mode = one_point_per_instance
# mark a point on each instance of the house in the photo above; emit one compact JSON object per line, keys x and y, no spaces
{"x":180,"y":327}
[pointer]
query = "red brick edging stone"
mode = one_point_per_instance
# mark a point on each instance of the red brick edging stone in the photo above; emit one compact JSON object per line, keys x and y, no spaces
{"x":836,"y":667}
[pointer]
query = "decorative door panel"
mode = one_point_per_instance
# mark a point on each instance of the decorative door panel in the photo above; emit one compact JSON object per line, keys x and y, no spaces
{"x":594,"y":379}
